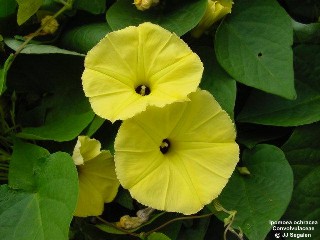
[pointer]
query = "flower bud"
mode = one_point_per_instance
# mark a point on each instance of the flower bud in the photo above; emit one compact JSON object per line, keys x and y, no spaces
{"x":145,"y":4}
{"x":215,"y":11}
{"x":50,"y":25}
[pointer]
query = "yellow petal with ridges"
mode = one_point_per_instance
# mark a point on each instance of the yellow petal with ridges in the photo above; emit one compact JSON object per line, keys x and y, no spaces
{"x":98,"y":183}
{"x":200,"y":157}
{"x":85,"y":150}
{"x":130,"y":58}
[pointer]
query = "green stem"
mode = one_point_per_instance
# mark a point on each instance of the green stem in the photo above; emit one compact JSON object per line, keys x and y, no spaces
{"x":12,"y":128}
{"x":232,"y":215}
{"x":67,"y":5}
{"x":177,"y":219}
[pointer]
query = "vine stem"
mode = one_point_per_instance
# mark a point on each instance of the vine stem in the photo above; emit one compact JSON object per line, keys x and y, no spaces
{"x":177,"y":219}
{"x":219,"y":208}
{"x":67,"y":5}
{"x":155,"y":229}
{"x":120,"y":229}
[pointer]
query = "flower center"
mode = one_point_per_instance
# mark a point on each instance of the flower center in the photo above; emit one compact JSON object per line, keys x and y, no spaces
{"x":165,"y":145}
{"x":143,"y":90}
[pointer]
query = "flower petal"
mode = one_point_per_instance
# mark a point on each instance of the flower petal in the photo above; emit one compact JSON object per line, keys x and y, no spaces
{"x":97,"y":178}
{"x":114,"y":57}
{"x":90,"y":202}
{"x":208,"y":123}
{"x":210,"y":163}
{"x":101,"y":172}
{"x":85,"y":150}
{"x":148,"y":56}
{"x":201,"y":156}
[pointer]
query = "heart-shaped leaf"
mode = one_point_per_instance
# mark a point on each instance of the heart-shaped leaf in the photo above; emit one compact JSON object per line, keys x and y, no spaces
{"x":60,"y":111}
{"x":123,"y":14}
{"x":82,"y":38}
{"x":253,"y":44}
{"x":26,"y":9}
{"x":266,"y":109}
{"x":303,"y":152}
{"x":44,"y":212}
{"x":221,"y":85}
{"x":261,"y":196}
{"x":23,"y":160}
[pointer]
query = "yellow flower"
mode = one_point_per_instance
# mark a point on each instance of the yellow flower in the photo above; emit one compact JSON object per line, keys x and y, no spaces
{"x":135,"y":67}
{"x":145,"y":4}
{"x":177,"y":158}
{"x":215,"y":11}
{"x":98,"y":183}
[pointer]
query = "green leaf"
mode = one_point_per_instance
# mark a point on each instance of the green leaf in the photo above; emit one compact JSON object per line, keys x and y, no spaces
{"x":60,"y":100}
{"x":63,"y":122}
{"x":124,"y":198}
{"x":253,"y":44}
{"x":46,"y":212}
{"x":217,"y":81}
{"x":26,"y":9}
{"x":303,"y":152}
{"x":3,"y":73}
{"x":23,"y":160}
{"x":303,"y":147}
{"x":172,"y":230}
{"x":306,"y":33}
{"x":198,"y":229}
{"x":250,"y":134}
{"x":158,"y":236}
{"x":37,"y":48}
{"x":110,"y":229}
{"x":94,"y":125}
{"x":8,"y":7}
{"x":261,"y":196}
{"x":266,"y":109}
{"x":82,"y":38}
{"x":123,"y":14}
{"x":93,"y":6}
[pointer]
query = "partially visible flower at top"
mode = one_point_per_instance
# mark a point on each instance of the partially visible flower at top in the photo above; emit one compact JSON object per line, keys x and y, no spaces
{"x":215,"y":11}
{"x":177,"y":158}
{"x":50,"y":25}
{"x":135,"y":67}
{"x":98,"y":183}
{"x":145,"y":4}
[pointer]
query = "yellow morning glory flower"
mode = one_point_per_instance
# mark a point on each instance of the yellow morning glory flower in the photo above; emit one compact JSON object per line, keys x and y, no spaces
{"x":216,"y":10}
{"x":98,"y":183}
{"x":135,"y":67}
{"x":177,"y":158}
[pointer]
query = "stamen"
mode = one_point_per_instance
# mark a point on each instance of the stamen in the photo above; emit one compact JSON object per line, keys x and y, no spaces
{"x":165,"y":145}
{"x":143,"y":90}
